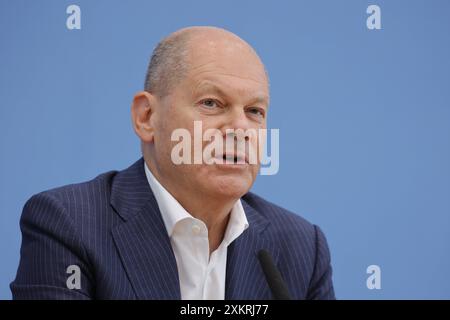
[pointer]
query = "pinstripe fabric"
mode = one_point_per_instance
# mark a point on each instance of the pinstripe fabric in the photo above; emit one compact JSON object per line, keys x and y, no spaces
{"x":112,"y":229}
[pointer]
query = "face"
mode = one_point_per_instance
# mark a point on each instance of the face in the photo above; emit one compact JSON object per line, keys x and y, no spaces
{"x":225,"y":88}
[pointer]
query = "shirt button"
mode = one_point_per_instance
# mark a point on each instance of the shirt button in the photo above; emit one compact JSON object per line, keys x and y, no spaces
{"x":196,"y":229}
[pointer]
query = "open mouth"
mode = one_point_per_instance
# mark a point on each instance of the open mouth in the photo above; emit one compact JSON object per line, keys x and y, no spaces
{"x":233,"y":159}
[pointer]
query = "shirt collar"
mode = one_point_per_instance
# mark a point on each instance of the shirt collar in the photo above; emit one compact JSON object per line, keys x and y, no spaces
{"x":237,"y":223}
{"x":173,"y":212}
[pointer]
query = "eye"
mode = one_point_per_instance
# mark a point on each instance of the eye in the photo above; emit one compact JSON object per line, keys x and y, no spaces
{"x":257,"y":112}
{"x":209,"y":103}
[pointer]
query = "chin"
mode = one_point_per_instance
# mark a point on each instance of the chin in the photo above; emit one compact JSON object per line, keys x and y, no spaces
{"x":229,"y":186}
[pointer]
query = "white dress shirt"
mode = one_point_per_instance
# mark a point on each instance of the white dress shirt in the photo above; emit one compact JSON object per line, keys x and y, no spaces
{"x":202,"y":276}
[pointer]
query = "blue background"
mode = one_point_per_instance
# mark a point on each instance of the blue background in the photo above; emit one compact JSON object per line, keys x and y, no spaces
{"x":364,"y":119}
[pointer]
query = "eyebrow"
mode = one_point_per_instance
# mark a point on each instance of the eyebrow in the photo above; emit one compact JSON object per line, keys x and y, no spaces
{"x":208,"y":86}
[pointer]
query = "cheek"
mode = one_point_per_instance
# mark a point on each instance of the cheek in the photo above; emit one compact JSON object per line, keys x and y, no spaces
{"x":169,"y":121}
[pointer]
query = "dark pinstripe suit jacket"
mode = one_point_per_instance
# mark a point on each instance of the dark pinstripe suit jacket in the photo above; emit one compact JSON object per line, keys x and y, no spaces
{"x":111,"y":228}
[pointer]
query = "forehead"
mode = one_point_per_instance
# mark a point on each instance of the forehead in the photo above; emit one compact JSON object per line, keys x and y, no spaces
{"x":227,"y":60}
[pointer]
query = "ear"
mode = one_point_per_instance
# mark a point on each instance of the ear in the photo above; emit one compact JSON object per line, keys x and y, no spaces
{"x":142,"y":115}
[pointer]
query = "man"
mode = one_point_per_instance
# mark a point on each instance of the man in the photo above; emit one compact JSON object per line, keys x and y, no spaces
{"x":162,"y":230}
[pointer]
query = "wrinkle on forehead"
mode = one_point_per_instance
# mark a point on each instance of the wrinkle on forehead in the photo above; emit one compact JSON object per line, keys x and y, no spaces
{"x":213,"y":67}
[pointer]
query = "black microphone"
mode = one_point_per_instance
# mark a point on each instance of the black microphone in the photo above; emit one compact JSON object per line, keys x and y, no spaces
{"x":273,"y":276}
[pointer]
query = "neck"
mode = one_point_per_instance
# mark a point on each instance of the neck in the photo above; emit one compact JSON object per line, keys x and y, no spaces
{"x":213,"y":213}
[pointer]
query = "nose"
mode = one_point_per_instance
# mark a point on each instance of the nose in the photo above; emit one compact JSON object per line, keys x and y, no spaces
{"x":240,"y":129}
{"x":238,"y":119}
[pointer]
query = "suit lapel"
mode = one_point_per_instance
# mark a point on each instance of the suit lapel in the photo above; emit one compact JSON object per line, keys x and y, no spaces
{"x":245,"y":278}
{"x":141,"y":239}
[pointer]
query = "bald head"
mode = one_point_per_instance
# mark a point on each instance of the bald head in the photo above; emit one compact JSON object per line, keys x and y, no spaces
{"x":177,"y":53}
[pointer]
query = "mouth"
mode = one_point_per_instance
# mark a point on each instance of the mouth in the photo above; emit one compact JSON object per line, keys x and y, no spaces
{"x":233,"y":159}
